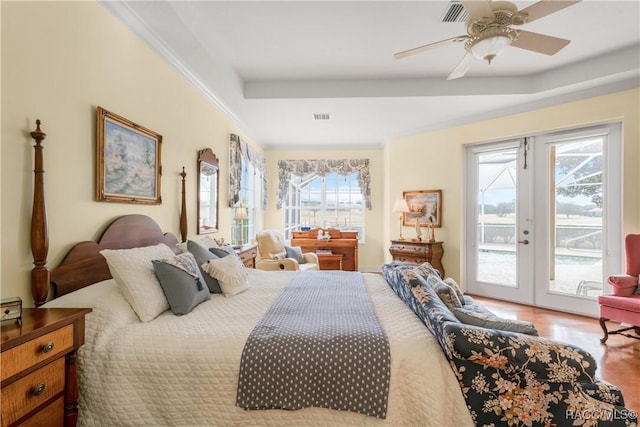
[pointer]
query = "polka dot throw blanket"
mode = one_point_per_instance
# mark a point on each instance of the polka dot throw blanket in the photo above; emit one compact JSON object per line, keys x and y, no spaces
{"x":319,"y":344}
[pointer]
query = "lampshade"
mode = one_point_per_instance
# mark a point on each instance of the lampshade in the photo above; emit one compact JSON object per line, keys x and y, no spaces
{"x":400,"y":206}
{"x":491,"y":42}
{"x":490,"y":47}
{"x":241,"y":213}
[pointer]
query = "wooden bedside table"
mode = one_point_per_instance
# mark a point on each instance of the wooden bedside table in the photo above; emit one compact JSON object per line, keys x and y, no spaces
{"x":38,"y":377}
{"x":248,"y":254}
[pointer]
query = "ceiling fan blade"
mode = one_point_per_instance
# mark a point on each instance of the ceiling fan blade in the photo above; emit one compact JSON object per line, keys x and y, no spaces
{"x":478,"y":9}
{"x":544,"y":8}
{"x":429,"y":46}
{"x":462,"y":67}
{"x":540,"y":43}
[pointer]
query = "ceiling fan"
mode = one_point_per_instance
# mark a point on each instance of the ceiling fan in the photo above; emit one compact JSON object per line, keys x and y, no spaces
{"x":489,"y":31}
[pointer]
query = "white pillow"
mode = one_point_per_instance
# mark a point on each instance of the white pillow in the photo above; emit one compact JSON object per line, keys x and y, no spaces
{"x":230,"y":272}
{"x":132,"y":269}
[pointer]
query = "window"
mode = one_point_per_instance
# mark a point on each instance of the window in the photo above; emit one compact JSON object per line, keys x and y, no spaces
{"x":332,"y":201}
{"x":251,"y":200}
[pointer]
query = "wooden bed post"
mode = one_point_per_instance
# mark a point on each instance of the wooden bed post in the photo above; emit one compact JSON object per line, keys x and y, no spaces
{"x":183,"y":210}
{"x":39,"y":226}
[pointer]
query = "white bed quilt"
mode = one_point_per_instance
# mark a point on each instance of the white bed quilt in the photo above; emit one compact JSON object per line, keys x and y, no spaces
{"x":183,"y":371}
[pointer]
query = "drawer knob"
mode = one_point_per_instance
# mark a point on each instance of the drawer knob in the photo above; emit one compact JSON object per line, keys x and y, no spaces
{"x":38,"y":390}
{"x":48,"y":347}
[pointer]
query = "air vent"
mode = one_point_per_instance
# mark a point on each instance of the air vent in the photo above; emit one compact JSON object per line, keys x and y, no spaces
{"x":455,"y":12}
{"x":322,"y":116}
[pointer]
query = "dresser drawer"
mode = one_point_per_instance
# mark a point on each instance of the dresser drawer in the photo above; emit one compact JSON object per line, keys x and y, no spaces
{"x":50,"y":416}
{"x":26,"y":394}
{"x":39,"y":349}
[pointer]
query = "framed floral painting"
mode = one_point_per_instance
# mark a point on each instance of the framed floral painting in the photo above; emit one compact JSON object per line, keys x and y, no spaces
{"x":128,"y":164}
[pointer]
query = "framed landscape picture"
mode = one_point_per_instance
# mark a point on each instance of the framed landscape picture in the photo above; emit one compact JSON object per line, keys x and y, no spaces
{"x":128,"y":162}
{"x":424,"y":206}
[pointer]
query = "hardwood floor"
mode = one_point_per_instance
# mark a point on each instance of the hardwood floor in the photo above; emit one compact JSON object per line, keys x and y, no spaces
{"x":618,"y":360}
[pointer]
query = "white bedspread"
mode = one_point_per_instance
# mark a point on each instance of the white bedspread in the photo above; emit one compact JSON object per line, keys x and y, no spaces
{"x":183,"y":371}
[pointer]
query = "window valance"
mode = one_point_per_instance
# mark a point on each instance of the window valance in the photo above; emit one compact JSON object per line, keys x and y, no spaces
{"x":322,"y":168}
{"x":240,"y":151}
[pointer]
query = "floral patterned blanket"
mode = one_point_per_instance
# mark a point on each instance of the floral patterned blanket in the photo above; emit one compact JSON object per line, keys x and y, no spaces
{"x":507,"y":378}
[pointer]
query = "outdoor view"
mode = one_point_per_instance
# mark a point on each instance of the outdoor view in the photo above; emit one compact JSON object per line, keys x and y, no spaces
{"x":332,"y":201}
{"x":576,"y":222}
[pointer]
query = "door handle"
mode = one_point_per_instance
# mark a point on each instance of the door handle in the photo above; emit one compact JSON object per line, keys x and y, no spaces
{"x":524,"y":242}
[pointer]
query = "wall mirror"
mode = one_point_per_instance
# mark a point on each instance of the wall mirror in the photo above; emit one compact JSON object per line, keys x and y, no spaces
{"x":208,"y":179}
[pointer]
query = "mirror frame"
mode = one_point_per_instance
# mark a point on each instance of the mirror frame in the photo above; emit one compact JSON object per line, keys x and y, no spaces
{"x":207,"y":156}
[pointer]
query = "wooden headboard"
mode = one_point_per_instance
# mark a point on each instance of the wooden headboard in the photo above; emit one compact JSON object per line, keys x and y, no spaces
{"x":83,"y":265}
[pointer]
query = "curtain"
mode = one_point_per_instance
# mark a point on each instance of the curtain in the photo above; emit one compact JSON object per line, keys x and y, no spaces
{"x":322,"y":168}
{"x":240,"y":151}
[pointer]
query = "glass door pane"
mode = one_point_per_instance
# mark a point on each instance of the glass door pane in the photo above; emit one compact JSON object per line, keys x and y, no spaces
{"x":496,"y":221}
{"x":499,"y":251}
{"x":575,"y":240}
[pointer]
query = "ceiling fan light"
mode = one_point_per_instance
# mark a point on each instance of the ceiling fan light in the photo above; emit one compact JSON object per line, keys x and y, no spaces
{"x":490,"y":47}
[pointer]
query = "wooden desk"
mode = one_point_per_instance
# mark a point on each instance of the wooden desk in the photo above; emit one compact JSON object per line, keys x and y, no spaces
{"x":343,"y":243}
{"x":330,"y":261}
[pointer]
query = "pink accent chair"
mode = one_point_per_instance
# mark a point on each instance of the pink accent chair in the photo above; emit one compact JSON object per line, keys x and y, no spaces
{"x":623,"y":305}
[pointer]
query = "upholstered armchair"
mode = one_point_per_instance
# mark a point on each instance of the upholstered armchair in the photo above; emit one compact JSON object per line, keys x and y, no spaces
{"x":274,"y":255}
{"x":623,"y":305}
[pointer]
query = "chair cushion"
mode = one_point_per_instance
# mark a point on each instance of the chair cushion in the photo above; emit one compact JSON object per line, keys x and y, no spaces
{"x":631,"y":303}
{"x":270,"y":242}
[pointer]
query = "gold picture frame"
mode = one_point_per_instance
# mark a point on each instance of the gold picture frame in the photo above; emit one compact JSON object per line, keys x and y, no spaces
{"x":425,"y":206}
{"x":128,"y":161}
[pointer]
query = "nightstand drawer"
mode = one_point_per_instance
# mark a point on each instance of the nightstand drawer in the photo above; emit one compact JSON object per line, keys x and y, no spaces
{"x":37,"y":350}
{"x":27,"y":393}
{"x":50,"y":416}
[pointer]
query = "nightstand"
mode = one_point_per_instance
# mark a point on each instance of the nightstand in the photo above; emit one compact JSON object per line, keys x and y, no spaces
{"x":38,"y":376}
{"x":417,"y":251}
{"x":247,"y":254}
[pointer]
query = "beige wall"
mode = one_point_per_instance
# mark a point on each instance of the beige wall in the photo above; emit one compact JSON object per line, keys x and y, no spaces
{"x":59,"y":61}
{"x":62,"y":59}
{"x":371,"y":252}
{"x":435,"y":160}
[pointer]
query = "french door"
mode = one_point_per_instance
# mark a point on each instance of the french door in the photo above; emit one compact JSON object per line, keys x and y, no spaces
{"x":543,"y":223}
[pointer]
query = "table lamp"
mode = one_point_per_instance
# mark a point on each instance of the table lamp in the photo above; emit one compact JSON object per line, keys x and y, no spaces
{"x":401,"y":207}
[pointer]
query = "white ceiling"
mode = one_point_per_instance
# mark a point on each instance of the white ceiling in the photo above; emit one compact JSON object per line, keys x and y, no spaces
{"x":271,"y":65}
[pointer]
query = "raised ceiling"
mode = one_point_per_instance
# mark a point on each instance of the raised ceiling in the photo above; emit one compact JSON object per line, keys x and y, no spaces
{"x":272,"y":65}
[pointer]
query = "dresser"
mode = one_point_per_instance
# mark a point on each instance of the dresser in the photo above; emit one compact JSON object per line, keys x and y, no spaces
{"x":247,"y":254}
{"x":38,"y":376}
{"x":343,"y":243}
{"x":418,"y":251}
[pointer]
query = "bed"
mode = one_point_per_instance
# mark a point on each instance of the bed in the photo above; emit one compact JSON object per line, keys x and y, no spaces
{"x":183,"y":370}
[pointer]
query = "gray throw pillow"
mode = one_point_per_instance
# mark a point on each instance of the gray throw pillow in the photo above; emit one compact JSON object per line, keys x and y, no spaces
{"x":474,"y":318}
{"x":181,"y":282}
{"x":222,"y":252}
{"x":295,"y":252}
{"x":202,"y":255}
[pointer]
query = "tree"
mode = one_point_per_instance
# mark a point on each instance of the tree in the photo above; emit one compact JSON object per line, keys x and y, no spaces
{"x":506,"y":208}
{"x":587,"y":176}
{"x":568,"y":209}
